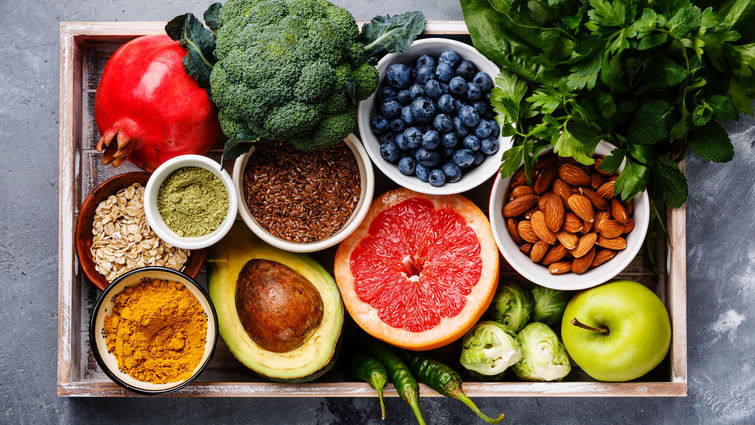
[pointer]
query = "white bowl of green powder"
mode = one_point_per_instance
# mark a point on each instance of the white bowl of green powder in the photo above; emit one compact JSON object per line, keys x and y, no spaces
{"x":190,"y":202}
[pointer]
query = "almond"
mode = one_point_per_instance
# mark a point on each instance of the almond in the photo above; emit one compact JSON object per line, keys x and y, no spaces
{"x":528,"y":214}
{"x":629,"y":205}
{"x":586,"y":242}
{"x":572,"y":223}
{"x":520,"y":191}
{"x":606,"y":191}
{"x":554,"y":212}
{"x":545,"y":179}
{"x":597,"y":180}
{"x":601,"y":256}
{"x":582,"y":207}
{"x":519,"y":205}
{"x":568,"y":240}
{"x":525,"y":231}
{"x":518,"y":179}
{"x":541,"y":229}
{"x":629,"y":226}
{"x":597,"y":202}
{"x":526,"y":248}
{"x":545,"y":160}
{"x":618,"y":211}
{"x":610,"y":229}
{"x":581,"y":264}
{"x":543,"y":199}
{"x":600,"y":217}
{"x":560,"y":267}
{"x":538,"y":251}
{"x":597,"y":164}
{"x":573,"y":175}
{"x":617,"y":244}
{"x":562,"y":189}
{"x":557,"y":253}
{"x":587,"y":226}
{"x":511,"y":225}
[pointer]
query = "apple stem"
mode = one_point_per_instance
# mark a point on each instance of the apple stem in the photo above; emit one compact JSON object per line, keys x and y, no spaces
{"x":579,"y":324}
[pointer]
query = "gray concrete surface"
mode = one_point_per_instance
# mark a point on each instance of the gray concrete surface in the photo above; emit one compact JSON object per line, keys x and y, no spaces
{"x":721,"y":265}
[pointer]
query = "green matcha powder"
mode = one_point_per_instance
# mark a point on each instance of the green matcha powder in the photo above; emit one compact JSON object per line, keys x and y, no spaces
{"x":193,"y":202}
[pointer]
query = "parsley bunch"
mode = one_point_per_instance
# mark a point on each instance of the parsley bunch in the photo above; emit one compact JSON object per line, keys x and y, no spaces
{"x":640,"y":74}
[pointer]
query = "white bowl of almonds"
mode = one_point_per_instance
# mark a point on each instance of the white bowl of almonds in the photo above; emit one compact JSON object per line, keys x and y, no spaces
{"x":566,"y":230}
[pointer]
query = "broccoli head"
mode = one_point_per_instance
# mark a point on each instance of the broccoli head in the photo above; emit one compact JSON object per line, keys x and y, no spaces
{"x":289,"y":70}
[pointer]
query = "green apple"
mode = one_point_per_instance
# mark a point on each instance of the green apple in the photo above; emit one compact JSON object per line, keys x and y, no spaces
{"x":618,"y":331}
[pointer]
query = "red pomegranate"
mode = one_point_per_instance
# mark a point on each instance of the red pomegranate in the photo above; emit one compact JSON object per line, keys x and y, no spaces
{"x":148,"y":109}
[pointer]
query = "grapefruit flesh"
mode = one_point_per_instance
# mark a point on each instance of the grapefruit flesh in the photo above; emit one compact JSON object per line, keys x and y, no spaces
{"x":420,"y":270}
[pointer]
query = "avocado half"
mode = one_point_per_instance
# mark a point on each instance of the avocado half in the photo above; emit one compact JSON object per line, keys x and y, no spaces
{"x":318,"y":352}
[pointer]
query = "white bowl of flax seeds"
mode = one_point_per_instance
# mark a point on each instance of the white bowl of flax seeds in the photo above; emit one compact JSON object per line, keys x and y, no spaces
{"x":304,"y":201}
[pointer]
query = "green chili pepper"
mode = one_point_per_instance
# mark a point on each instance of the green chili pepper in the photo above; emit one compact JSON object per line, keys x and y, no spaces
{"x":444,"y":380}
{"x":370,"y":370}
{"x":402,"y":378}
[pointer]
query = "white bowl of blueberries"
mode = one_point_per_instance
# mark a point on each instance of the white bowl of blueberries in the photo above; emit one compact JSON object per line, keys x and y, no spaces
{"x":429,"y":126}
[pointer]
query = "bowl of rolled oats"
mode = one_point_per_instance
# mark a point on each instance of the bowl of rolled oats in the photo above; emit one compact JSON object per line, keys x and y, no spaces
{"x":113,"y":236}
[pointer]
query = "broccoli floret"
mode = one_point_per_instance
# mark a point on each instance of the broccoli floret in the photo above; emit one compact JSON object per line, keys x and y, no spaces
{"x":284,"y":70}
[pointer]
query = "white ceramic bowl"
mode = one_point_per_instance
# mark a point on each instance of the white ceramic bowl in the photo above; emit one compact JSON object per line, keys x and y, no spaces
{"x":367,"y":184}
{"x":369,"y":107}
{"x":104,"y":307}
{"x":538,"y":273}
{"x":153,"y":215}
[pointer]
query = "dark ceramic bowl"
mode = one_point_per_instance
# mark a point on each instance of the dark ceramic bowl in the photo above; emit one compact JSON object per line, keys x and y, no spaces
{"x":84,"y":227}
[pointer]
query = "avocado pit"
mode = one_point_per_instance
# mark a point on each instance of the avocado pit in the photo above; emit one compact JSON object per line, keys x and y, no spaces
{"x":277,"y":306}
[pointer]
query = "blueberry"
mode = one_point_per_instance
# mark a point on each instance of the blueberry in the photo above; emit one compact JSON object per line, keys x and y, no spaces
{"x":404,"y":97}
{"x":406,"y":165}
{"x":469,"y":116}
{"x":406,"y":115}
{"x":425,"y":73}
{"x":390,"y":109}
{"x":489,"y":146}
{"x":449,"y":57}
{"x":482,"y":130}
{"x":399,"y":75}
{"x":443,"y":88}
{"x":495,"y":129}
{"x":450,"y":140}
{"x":460,"y":129}
{"x":413,"y":137}
{"x":483,"y":81}
{"x":466,"y":70}
{"x":422,"y":172}
{"x":458,"y":104}
{"x":428,"y":158}
{"x":430,"y":140}
{"x":389,"y":151}
{"x":471,"y":142}
{"x":397,"y":125}
{"x":386,"y":93}
{"x":478,"y":158}
{"x":386,"y":137}
{"x":437,"y":178}
{"x":452,"y":172}
{"x":473,"y":91}
{"x":443,"y":123}
{"x":416,"y":90}
{"x":447,"y":152}
{"x":423,"y":110}
{"x":446,"y":104}
{"x":425,"y":60}
{"x":444,"y":72}
{"x":480,"y":106}
{"x":457,"y":85}
{"x":432,"y":89}
{"x":400,"y":141}
{"x":379,"y":124}
{"x":463,"y":158}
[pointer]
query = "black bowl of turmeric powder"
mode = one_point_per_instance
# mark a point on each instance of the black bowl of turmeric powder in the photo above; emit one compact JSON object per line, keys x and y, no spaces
{"x":153,"y":330}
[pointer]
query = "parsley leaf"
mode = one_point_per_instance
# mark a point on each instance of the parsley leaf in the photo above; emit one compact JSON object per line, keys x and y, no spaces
{"x":631,"y":181}
{"x":684,"y":21}
{"x":512,"y":158}
{"x":611,"y":163}
{"x":711,"y":142}
{"x":585,"y":74}
{"x":568,"y":145}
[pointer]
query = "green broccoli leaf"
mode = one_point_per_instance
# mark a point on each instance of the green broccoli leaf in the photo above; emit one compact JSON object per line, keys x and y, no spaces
{"x":631,"y":181}
{"x":238,"y":146}
{"x":611,"y":163}
{"x":211,"y":16}
{"x":668,"y":181}
{"x":711,"y":142}
{"x":684,"y":21}
{"x":648,"y":125}
{"x":200,"y":45}
{"x":388,"y":33}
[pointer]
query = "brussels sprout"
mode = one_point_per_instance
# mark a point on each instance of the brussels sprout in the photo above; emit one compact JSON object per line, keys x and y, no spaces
{"x":489,"y":348}
{"x":549,"y":305}
{"x":512,"y":305}
{"x":544,"y":357}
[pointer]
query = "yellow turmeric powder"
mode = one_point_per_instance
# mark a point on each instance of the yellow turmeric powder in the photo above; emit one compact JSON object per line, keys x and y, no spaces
{"x":157,"y":331}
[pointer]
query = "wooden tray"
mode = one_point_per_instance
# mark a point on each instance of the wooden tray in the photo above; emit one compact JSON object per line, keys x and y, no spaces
{"x":84,"y":49}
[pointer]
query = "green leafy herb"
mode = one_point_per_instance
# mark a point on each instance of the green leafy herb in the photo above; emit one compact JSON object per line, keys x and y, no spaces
{"x":384,"y":34}
{"x":198,"y":40}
